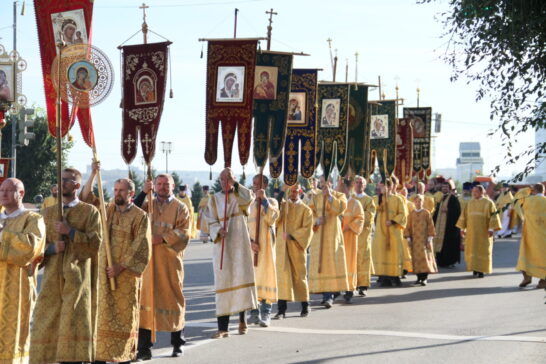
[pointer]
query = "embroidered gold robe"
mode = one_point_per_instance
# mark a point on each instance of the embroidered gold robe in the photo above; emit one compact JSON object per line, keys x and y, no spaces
{"x":532,"y":249}
{"x":22,"y":241}
{"x":387,"y":245}
{"x":364,"y":256}
{"x":419,"y":228}
{"x":234,"y":283}
{"x":353,"y":220}
{"x":201,"y":222}
{"x":119,"y":310}
{"x":64,"y":322}
{"x":265,"y":272}
{"x":297,"y":220}
{"x":477,"y":218}
{"x":333,"y":268}
{"x":186,"y":200}
{"x":162,"y":303}
{"x":408,"y":264}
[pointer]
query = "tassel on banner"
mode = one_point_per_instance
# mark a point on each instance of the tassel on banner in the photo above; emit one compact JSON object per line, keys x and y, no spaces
{"x":201,"y":51}
{"x":244,"y":175}
{"x":210,"y":173}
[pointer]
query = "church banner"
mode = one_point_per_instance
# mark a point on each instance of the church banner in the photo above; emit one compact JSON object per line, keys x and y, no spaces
{"x":270,"y":92}
{"x":383,"y":136}
{"x":71,"y":21}
{"x":358,"y":147}
{"x":404,"y":150}
{"x":230,"y":80}
{"x":143,"y":80}
{"x":333,"y":105}
{"x":298,"y":157}
{"x":421,"y":118}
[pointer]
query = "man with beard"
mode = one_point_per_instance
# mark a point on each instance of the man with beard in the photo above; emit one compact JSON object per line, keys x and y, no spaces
{"x":447,"y":241}
{"x":22,"y":240}
{"x":130,"y":246}
{"x":64,"y":323}
{"x":162,"y":303}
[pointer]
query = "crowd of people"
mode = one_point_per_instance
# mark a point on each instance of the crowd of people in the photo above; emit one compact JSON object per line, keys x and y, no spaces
{"x":109,"y":286}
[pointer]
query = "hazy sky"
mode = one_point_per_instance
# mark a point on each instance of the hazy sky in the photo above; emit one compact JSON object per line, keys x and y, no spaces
{"x":397,"y":39}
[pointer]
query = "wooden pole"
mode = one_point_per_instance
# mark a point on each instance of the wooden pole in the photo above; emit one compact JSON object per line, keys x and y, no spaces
{"x":258,"y":215}
{"x":235,"y":24}
{"x":58,"y":140}
{"x":226,"y":192}
{"x":322,"y":232}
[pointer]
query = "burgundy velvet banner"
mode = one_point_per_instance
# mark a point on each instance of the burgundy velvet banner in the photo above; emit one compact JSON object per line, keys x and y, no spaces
{"x":404,"y":150}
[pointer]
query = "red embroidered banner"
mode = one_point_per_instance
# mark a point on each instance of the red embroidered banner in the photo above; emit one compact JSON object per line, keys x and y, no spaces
{"x":230,"y":79}
{"x":72,"y":19}
{"x":143,"y":79}
{"x":404,"y":150}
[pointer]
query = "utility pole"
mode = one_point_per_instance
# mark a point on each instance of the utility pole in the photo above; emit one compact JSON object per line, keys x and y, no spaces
{"x":13,"y":114}
{"x":167,"y":148}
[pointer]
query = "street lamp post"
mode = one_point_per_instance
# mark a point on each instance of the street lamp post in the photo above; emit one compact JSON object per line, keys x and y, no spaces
{"x":166,"y":147}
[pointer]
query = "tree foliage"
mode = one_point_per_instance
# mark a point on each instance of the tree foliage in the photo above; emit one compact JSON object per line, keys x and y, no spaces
{"x":501,"y":46}
{"x":36,"y":163}
{"x":196,"y":194}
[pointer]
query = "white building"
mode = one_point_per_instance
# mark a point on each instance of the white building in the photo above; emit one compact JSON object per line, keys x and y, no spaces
{"x":470,"y":162}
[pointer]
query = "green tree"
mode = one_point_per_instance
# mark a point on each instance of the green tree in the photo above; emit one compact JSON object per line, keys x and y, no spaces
{"x":36,"y":162}
{"x":136,"y":179}
{"x":499,"y":45}
{"x":196,"y":194}
{"x":107,"y":196}
{"x":217,"y":186}
{"x":177,"y":180}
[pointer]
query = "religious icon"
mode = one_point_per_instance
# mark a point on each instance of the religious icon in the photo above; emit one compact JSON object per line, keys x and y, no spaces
{"x":71,"y":24}
{"x":265,"y":83}
{"x":380,"y":127}
{"x":296,"y":108}
{"x":230,"y":84}
{"x":82,"y":75}
{"x":330,"y":113}
{"x":7,"y":84}
{"x":145,"y":90}
{"x":419,"y":128}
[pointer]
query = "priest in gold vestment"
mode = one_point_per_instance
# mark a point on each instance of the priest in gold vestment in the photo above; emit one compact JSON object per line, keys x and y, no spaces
{"x":22,"y":241}
{"x":429,"y":204}
{"x":328,"y":268}
{"x":364,"y":256}
{"x":186,"y":200}
{"x":263,"y":247}
{"x":477,"y":222}
{"x":387,"y":245}
{"x":504,"y":207}
{"x":201,"y":222}
{"x":352,"y":225}
{"x":130,"y":244}
{"x":64,"y":322}
{"x":232,"y":255}
{"x":532,"y":249}
{"x":294,"y":232}
{"x":162,"y":302}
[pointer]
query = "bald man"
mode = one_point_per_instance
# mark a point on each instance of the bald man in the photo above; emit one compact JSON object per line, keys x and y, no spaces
{"x":22,"y":240}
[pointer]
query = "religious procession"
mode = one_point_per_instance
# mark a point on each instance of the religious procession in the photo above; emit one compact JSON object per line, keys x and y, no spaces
{"x":345,"y":212}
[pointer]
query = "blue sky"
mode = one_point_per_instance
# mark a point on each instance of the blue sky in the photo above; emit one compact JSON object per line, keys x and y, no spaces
{"x":396,"y":39}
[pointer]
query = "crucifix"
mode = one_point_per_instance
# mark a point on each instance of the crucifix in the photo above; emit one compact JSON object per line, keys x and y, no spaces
{"x":269,"y":27}
{"x":329,"y":40}
{"x":144,"y":25}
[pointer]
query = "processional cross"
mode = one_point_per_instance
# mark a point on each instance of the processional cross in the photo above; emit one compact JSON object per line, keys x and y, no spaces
{"x":270,"y":27}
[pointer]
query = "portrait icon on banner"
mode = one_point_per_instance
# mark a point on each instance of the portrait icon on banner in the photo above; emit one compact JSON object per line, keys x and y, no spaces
{"x":71,"y":24}
{"x":265,"y":83}
{"x":330,"y":113}
{"x":296,"y":108}
{"x":380,"y":127}
{"x":7,"y":82}
{"x":419,"y":127}
{"x":145,"y":89}
{"x":230,"y":84}
{"x":83,"y":76}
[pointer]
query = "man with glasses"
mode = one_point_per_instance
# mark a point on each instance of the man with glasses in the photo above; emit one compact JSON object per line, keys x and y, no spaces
{"x":64,"y":323}
{"x":22,"y":240}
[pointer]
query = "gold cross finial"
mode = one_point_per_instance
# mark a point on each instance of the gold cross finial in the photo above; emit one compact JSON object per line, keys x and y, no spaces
{"x":271,"y":13}
{"x":143,"y":7}
{"x":329,"y":40}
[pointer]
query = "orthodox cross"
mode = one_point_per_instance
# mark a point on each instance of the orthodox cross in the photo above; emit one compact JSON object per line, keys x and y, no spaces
{"x":329,"y":40}
{"x":129,"y":140}
{"x":269,"y":27}
{"x":144,"y":25}
{"x":356,"y":67}
{"x":147,"y":141}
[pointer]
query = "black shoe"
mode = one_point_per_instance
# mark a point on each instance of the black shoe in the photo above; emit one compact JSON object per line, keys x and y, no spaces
{"x":423,"y":282}
{"x":480,"y":275}
{"x":348,"y":296}
{"x":397,"y":282}
{"x":363,"y":291}
{"x":144,"y":355}
{"x":280,"y":316}
{"x":417,"y":282}
{"x":304,"y":312}
{"x":336,"y":295}
{"x":404,"y":274}
{"x":177,"y":352}
{"x":474,"y":273}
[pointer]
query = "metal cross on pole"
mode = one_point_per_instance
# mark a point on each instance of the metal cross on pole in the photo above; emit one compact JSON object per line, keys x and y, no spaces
{"x":144,"y":24}
{"x":270,"y":27}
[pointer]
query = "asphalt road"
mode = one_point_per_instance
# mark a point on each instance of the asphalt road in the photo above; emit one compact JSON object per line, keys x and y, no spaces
{"x":455,"y":319}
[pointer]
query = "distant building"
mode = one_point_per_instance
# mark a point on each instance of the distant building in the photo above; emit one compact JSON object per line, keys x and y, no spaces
{"x":470,"y":162}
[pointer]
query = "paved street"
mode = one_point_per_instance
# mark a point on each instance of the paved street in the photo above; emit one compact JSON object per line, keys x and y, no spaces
{"x":455,"y":319}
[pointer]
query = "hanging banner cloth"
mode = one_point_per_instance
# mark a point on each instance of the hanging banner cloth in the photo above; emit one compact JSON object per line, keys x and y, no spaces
{"x":421,"y":119}
{"x":230,"y":80}
{"x":271,"y":90}
{"x":333,"y":107}
{"x":72,"y":19}
{"x":383,"y":136}
{"x":358,"y":147}
{"x":404,"y":150}
{"x":144,"y":70}
{"x":299,"y":148}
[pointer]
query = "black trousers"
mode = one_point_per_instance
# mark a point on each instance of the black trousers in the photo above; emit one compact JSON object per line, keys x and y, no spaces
{"x":422,"y":276}
{"x":223,"y":321}
{"x":282,"y":306}
{"x":145,"y":339}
